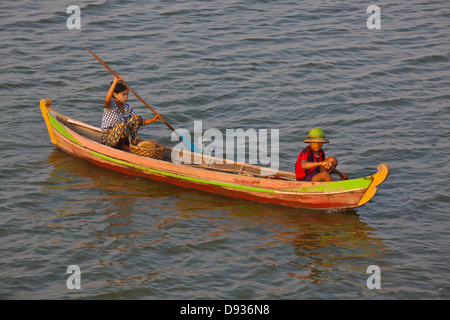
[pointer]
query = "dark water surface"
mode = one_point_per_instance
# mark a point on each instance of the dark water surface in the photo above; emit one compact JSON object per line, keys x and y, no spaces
{"x":382,"y":96}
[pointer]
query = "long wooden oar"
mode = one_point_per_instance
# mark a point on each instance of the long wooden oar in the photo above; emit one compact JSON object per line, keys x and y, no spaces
{"x":186,"y":142}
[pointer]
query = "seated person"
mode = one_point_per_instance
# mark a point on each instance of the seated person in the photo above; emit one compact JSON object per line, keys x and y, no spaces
{"x":311,"y":162}
{"x":119,"y":122}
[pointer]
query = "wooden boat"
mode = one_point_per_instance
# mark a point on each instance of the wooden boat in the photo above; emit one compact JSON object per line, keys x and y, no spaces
{"x":236,"y":179}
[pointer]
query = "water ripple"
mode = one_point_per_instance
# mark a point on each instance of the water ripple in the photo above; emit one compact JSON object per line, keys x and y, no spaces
{"x":380,"y":95}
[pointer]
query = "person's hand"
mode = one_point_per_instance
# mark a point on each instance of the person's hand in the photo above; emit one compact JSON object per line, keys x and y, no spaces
{"x":118,"y":78}
{"x":326,"y":164}
{"x":344,"y":176}
{"x":157,"y":117}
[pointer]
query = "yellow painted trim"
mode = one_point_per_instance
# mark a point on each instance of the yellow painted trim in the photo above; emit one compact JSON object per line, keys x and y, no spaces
{"x":44,"y":104}
{"x":378,"y":178}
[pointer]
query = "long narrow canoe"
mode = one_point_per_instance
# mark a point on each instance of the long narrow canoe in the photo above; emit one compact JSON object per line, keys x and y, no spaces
{"x":239,"y":180}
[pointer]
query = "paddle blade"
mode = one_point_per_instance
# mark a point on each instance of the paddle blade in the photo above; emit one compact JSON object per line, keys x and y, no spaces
{"x":190,"y":145}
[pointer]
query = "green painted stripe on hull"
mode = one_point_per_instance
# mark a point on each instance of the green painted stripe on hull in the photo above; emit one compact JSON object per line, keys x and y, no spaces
{"x":180,"y":176}
{"x":335,"y":186}
{"x":60,"y":128}
{"x":342,"y":186}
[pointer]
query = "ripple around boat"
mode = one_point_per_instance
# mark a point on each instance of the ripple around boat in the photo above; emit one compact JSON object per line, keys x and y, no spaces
{"x":232,"y":179}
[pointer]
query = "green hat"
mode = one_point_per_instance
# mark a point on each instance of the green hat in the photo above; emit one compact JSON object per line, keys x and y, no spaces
{"x":316,"y":135}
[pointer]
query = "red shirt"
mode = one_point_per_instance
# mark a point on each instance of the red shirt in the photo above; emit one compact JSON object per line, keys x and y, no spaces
{"x":308,"y":155}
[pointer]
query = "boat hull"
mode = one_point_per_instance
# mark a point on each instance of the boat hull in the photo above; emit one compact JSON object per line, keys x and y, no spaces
{"x":74,"y":137}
